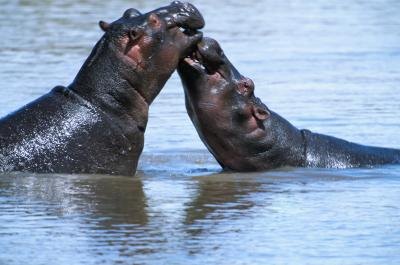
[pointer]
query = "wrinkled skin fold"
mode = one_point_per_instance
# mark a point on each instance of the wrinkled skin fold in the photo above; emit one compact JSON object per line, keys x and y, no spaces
{"x":244,"y":135}
{"x":97,"y":123}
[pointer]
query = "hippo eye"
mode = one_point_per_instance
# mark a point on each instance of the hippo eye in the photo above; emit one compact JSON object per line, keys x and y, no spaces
{"x":131,"y":12}
{"x":134,"y":34}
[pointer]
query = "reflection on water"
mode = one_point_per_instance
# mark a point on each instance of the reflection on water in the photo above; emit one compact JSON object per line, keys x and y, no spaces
{"x":331,"y":66}
{"x":286,"y":216}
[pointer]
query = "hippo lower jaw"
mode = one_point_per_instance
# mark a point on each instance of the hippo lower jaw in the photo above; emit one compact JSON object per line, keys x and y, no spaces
{"x":196,"y":62}
{"x":209,"y":60}
{"x":193,"y":62}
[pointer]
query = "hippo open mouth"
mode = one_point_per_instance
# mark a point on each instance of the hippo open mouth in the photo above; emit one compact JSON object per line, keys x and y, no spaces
{"x":195,"y":60}
{"x":209,"y":59}
{"x":201,"y":63}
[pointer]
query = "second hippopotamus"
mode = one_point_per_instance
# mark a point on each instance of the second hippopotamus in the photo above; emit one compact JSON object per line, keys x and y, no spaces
{"x":244,"y":135}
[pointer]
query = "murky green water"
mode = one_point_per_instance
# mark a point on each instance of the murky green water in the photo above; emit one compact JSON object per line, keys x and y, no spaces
{"x":330,"y":66}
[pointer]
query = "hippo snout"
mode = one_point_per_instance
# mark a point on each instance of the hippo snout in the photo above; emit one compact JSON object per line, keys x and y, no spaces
{"x":183,"y":15}
{"x":210,"y":50}
{"x":191,"y":14}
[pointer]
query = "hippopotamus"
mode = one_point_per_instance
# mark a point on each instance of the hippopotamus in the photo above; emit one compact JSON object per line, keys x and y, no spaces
{"x":97,"y":123}
{"x":243,"y":134}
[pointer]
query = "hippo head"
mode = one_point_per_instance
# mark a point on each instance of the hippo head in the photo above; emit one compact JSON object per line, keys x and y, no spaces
{"x":211,"y":81}
{"x":149,"y":46}
{"x":208,"y":75}
{"x":221,"y":104}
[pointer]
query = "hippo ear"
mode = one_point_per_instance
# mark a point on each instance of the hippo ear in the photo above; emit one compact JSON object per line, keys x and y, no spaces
{"x":154,"y":20}
{"x":261,"y":112}
{"x":104,"y":25}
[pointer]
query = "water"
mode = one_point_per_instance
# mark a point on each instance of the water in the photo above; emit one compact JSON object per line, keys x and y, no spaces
{"x":329,"y":66}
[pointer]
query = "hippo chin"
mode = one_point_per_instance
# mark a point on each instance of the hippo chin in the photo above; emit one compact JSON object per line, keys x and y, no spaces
{"x":97,"y":124}
{"x":244,"y":135}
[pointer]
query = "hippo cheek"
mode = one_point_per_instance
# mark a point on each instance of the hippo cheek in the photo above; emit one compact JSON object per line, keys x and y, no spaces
{"x":214,"y":80}
{"x":247,"y":121}
{"x":132,"y":53}
{"x":138,"y":54}
{"x":169,"y":58}
{"x":252,"y":124}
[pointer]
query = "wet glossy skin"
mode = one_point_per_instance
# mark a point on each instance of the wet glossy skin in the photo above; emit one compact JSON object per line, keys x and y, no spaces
{"x":97,"y":124}
{"x":244,"y":135}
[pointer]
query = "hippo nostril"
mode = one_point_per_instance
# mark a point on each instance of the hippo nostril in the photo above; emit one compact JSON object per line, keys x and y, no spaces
{"x":169,"y":21}
{"x":246,"y":86}
{"x":249,"y":84}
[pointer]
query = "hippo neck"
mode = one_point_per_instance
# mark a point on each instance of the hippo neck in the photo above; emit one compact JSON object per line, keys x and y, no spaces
{"x":286,"y":143}
{"x":104,"y":81}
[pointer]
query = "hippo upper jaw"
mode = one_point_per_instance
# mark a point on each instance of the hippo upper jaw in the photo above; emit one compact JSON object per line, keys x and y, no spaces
{"x":185,"y":20}
{"x":184,"y":15}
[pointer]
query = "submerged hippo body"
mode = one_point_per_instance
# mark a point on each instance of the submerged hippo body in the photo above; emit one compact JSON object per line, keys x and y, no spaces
{"x":97,"y":124}
{"x":244,"y":135}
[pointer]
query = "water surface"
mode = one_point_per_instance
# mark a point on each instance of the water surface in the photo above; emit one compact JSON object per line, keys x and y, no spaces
{"x":329,"y":66}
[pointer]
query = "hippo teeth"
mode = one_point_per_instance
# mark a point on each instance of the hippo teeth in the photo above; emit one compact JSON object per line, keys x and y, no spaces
{"x":195,"y":61}
{"x":192,"y":57}
{"x":200,"y":60}
{"x":195,"y":57}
